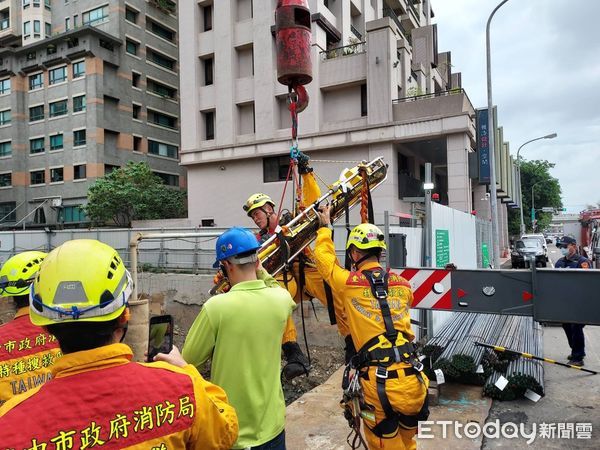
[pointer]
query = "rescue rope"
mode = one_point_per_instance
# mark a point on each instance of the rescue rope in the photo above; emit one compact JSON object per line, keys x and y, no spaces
{"x":364,"y":197}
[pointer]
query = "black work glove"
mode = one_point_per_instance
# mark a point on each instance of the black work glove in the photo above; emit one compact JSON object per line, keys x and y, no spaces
{"x":349,"y":348}
{"x":303,"y":166}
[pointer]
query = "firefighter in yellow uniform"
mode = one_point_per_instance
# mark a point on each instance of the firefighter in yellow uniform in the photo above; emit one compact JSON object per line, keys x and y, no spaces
{"x":261,"y":209}
{"x":376,"y":304}
{"x":27,"y":352}
{"x":97,"y":396}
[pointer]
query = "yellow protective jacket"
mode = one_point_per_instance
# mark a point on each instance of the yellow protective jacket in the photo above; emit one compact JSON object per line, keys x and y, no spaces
{"x":27,"y":353}
{"x":353,"y":298}
{"x":100,"y":398}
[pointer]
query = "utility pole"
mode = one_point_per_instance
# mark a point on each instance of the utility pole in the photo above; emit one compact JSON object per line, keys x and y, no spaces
{"x":426,"y":317}
{"x":492,"y":141}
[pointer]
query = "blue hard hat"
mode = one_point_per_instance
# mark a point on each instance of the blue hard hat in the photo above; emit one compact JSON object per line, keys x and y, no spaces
{"x":235,"y":241}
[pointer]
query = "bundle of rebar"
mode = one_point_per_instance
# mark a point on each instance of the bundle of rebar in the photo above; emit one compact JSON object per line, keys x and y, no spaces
{"x":453,"y":350}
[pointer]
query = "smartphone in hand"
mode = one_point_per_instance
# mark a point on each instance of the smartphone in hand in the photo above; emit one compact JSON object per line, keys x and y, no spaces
{"x":160,"y":337}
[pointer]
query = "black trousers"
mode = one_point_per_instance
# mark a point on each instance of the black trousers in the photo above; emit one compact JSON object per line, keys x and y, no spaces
{"x":574,"y":332}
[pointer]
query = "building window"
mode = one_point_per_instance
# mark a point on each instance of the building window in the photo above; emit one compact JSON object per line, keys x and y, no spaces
{"x":8,"y":210}
{"x":207,"y":16}
{"x":79,"y":103}
{"x":5,"y":117}
{"x":276,"y":168}
{"x":168,"y":178}
{"x":51,"y":49}
{"x":161,"y":119}
{"x":108,"y":168}
{"x":95,"y":16}
{"x":5,"y":149}
{"x":47,"y":5}
{"x":135,"y":79}
{"x":5,"y":86}
{"x":137,"y":144}
{"x":131,"y":47}
{"x":26,"y":4}
{"x":75,"y":21}
{"x":36,"y":145}
{"x":131,"y":15}
{"x":79,"y":138}
{"x":79,"y":172}
{"x":160,"y":59}
{"x":246,"y":124}
{"x":209,"y":125}
{"x":37,"y":177}
{"x":5,"y":181}
{"x":71,"y":214}
{"x":245,"y":58}
{"x":48,"y":29}
{"x":208,"y":71}
{"x":37,"y":28}
{"x":78,"y":69}
{"x":67,"y":24}
{"x":363,"y":100}
{"x":58,"y":75}
{"x":161,"y":89}
{"x":36,"y":3}
{"x":136,"y":110}
{"x":58,"y":108}
{"x":159,"y":30}
{"x":56,"y":175}
{"x":36,"y":113}
{"x":56,"y":142}
{"x":36,"y":81}
{"x":27,"y":28}
{"x":162,"y":149}
{"x":244,"y":10}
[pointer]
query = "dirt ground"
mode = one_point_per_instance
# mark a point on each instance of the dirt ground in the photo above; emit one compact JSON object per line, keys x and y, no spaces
{"x":324,"y":362}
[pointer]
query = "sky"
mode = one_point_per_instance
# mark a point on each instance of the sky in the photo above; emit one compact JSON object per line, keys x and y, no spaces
{"x":545,"y":79}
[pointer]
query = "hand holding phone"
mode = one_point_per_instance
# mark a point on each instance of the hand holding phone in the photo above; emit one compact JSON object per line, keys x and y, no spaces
{"x":160,"y":336}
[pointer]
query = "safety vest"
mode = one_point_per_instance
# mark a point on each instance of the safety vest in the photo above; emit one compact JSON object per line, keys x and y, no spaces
{"x":100,"y":399}
{"x":27,"y":353}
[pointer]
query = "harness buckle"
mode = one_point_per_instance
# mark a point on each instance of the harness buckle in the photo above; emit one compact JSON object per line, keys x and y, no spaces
{"x":397,"y":357}
{"x":381,"y":372}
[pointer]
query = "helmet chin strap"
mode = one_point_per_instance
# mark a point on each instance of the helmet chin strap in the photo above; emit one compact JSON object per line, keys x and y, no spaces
{"x":358,"y":261}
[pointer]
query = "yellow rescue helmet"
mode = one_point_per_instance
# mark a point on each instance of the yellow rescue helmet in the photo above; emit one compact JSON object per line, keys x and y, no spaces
{"x":257,"y":201}
{"x":82,"y":280}
{"x":366,"y":236}
{"x":18,"y":273}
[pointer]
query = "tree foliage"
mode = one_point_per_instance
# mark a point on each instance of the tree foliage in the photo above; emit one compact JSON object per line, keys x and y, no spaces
{"x":546,"y":193}
{"x":131,"y":193}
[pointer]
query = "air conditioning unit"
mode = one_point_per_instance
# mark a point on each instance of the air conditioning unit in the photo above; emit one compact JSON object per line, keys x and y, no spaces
{"x":56,"y":202}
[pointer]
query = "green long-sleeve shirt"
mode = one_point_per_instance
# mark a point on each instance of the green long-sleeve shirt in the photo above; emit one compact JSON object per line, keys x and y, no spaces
{"x":241,"y":331}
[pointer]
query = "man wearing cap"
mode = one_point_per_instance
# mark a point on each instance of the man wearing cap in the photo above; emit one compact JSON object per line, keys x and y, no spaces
{"x":241,"y":332}
{"x":573,"y":260}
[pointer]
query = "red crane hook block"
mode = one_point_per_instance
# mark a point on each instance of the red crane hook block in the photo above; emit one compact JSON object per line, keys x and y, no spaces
{"x":292,"y":39}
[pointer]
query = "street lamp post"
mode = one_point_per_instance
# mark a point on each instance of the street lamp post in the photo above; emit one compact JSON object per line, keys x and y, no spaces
{"x":548,"y":136}
{"x":533,"y":204}
{"x":492,"y":139}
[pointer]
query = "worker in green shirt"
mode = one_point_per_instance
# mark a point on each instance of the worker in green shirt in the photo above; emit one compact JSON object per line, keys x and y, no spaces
{"x":241,"y":331}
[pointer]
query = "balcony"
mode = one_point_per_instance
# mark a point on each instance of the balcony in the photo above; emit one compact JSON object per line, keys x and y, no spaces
{"x":343,"y":65}
{"x":433,"y":106}
{"x":409,"y":186}
{"x":389,"y":12}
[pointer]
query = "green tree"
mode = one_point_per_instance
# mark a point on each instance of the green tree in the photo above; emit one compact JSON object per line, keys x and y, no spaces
{"x":546,"y":193}
{"x":131,"y":193}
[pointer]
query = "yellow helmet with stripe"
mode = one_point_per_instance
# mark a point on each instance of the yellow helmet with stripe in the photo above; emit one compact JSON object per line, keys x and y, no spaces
{"x":82,"y":280}
{"x":257,"y":201}
{"x":18,"y":273}
{"x":366,"y":236}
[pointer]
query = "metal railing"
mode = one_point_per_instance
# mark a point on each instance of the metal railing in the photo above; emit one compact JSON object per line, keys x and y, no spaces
{"x":433,"y":95}
{"x":352,"y":49}
{"x":356,"y":33}
{"x":409,"y":186}
{"x":389,"y":12}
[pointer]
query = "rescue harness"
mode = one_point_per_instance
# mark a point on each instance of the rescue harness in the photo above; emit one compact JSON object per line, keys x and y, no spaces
{"x":381,"y":352}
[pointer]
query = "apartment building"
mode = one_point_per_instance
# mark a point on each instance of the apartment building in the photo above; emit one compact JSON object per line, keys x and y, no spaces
{"x":85,"y":87}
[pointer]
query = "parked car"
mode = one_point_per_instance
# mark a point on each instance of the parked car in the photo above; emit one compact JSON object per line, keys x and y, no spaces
{"x":541,"y":239}
{"x":525,"y":250}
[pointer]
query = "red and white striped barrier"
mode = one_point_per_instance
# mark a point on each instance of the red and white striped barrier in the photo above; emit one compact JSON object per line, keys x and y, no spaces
{"x":432,"y":289}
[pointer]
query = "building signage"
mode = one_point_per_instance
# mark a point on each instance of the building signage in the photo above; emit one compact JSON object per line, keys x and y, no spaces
{"x":483,"y":146}
{"x":442,"y":248}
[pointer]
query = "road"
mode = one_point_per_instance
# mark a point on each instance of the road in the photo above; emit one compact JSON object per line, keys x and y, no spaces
{"x":572,"y":397}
